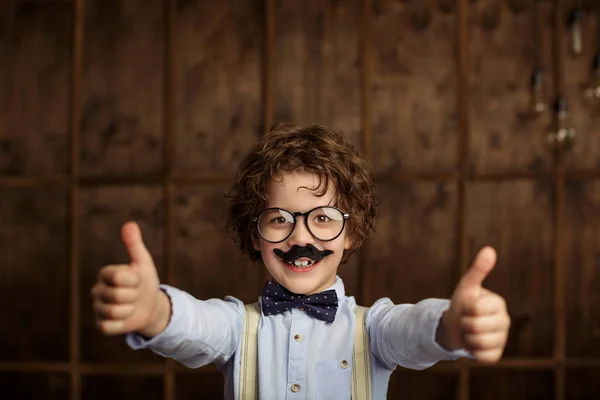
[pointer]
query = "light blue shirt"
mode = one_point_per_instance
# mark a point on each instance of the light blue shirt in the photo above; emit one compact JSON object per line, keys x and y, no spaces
{"x":201,"y":332}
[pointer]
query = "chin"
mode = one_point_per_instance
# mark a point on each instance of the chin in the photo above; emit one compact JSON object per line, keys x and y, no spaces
{"x":301,"y":280}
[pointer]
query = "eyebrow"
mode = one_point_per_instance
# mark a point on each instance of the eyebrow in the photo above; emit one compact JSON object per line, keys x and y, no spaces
{"x":307,"y":209}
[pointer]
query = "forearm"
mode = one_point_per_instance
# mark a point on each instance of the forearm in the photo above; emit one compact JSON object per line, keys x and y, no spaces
{"x":198,"y":332}
{"x":406,"y":334}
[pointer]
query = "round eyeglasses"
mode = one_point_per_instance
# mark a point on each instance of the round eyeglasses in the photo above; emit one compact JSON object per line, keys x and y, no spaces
{"x":324,"y":223}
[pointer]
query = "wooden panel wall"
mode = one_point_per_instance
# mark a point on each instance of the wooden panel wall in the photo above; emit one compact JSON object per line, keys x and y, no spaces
{"x":140,"y":109}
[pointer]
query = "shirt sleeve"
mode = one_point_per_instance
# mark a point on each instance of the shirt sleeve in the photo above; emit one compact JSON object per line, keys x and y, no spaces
{"x":404,"y":334}
{"x":199,"y":333}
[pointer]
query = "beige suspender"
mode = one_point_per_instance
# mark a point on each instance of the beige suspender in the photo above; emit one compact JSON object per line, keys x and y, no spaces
{"x":361,"y":370}
{"x":361,"y":365}
{"x":248,"y":355}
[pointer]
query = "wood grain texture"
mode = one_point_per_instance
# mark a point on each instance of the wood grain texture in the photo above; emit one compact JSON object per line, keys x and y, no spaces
{"x":190,"y":386}
{"x":414,"y":91}
{"x":582,"y":384}
{"x":349,"y":273}
{"x":513,"y":385}
{"x":34,"y":275}
{"x":412,"y":255}
{"x":121,"y":119}
{"x":34,"y":90}
{"x":422,"y":385}
{"x":218,"y":83}
{"x":505,"y":137}
{"x":121,"y":388}
{"x":516,"y":219}
{"x":33,"y":386}
{"x":316,"y":64}
{"x":582,"y":263}
{"x":207,"y":262}
{"x":584,"y":114}
{"x":103,"y":211}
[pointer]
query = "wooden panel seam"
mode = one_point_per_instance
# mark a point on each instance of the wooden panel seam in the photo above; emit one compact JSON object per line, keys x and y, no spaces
{"x":169,"y":388}
{"x":462,"y":43}
{"x":75,"y":317}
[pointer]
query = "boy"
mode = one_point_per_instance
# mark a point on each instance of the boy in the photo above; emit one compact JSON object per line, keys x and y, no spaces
{"x":302,"y":203}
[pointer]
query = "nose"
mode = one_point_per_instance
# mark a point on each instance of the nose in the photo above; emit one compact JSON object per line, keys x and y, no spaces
{"x":300,"y":235}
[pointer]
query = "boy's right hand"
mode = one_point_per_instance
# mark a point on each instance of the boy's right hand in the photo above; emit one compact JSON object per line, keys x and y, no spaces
{"x":127,"y":298}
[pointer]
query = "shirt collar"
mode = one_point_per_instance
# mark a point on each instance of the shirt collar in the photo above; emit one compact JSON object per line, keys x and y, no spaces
{"x":338,"y":286}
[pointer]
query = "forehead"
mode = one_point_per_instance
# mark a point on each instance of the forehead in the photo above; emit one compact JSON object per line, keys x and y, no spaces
{"x":299,"y":191}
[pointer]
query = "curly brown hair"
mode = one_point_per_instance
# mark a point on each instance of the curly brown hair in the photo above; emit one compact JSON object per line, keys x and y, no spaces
{"x":315,"y":149}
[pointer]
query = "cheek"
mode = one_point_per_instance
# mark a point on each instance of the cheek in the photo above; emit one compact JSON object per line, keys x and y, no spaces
{"x":337,"y":246}
{"x":266,"y":249}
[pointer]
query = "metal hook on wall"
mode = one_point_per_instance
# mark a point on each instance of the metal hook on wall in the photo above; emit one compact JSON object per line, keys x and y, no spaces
{"x":562,"y":135}
{"x":574,"y":25}
{"x":537,"y":101}
{"x":591,"y":89}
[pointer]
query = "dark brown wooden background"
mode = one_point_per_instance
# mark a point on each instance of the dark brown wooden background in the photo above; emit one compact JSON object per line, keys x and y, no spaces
{"x":120,"y":109}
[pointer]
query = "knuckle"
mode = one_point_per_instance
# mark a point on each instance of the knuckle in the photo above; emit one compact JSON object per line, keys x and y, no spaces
{"x":113,"y":312}
{"x":469,"y":327}
{"x":102,"y":326}
{"x":502,"y":303}
{"x":471,"y":340}
{"x":97,"y":306}
{"x":117,"y":277}
{"x":108,"y":312}
{"x":104,"y":311}
{"x":124,"y":296}
{"x":491,"y":357}
{"x":105,"y":270}
{"x":117,"y":295}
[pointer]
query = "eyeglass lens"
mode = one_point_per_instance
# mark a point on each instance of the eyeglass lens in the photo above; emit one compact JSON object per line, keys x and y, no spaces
{"x":324,"y":223}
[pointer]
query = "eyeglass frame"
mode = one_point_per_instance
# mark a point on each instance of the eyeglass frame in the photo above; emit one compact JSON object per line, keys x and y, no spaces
{"x":345,"y":217}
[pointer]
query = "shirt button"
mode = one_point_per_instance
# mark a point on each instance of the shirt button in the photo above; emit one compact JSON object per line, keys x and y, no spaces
{"x":298,"y":338}
{"x":344,"y":364}
{"x":295,"y":388}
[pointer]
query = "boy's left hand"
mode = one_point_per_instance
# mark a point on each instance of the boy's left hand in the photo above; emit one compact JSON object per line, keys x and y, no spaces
{"x":477,"y":319}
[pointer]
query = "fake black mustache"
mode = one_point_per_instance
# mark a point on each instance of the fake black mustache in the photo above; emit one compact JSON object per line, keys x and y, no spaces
{"x":297,"y":252}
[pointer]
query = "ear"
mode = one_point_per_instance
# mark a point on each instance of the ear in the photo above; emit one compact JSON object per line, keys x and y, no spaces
{"x":256,"y":242}
{"x":347,"y":242}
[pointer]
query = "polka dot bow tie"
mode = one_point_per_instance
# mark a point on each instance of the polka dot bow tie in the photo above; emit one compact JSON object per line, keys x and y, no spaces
{"x":276,"y":300}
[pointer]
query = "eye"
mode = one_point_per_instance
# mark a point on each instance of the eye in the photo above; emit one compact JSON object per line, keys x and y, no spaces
{"x":322,"y":219}
{"x":278,"y":221}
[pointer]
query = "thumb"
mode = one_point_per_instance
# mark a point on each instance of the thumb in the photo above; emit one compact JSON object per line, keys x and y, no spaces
{"x":131,"y":237}
{"x":484,"y":263}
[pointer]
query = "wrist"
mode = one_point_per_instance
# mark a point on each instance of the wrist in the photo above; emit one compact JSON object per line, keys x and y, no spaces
{"x":160,"y":317}
{"x":444,"y":335}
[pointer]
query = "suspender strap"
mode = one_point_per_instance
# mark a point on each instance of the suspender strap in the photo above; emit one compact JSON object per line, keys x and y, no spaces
{"x":249,"y":356}
{"x":361,"y":365}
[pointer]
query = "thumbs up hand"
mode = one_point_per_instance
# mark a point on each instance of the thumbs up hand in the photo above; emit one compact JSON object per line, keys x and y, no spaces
{"x":127,"y":297}
{"x":477,"y":319}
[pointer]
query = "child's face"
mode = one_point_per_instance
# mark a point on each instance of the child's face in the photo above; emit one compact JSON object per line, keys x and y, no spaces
{"x":294,"y":193}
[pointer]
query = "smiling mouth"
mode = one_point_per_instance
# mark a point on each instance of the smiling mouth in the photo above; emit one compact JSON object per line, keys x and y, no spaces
{"x":301,"y":257}
{"x":301,"y":263}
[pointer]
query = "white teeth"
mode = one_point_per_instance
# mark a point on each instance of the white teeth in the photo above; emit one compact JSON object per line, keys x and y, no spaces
{"x":299,"y":263}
